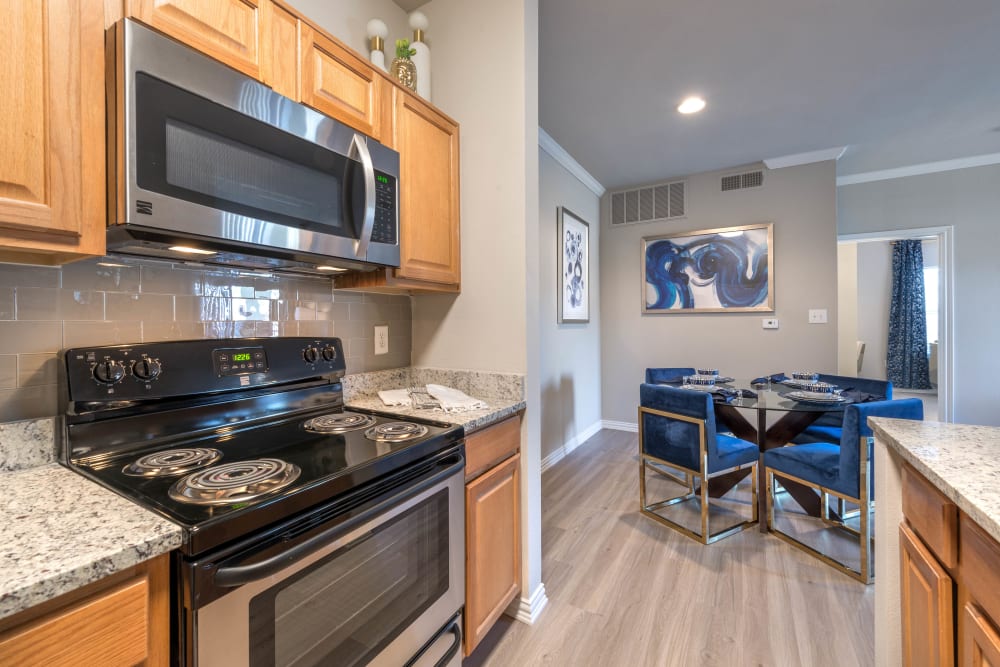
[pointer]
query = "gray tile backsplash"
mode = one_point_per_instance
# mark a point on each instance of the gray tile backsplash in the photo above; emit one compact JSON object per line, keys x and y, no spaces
{"x":109,"y":301}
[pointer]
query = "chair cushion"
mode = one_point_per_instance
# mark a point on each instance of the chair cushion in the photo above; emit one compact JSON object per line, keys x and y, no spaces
{"x":819,"y":433}
{"x":818,"y":463}
{"x":732,"y":452}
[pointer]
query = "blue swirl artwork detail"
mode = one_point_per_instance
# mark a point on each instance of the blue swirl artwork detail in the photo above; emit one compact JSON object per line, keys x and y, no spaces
{"x":708,"y":271}
{"x":573,"y":268}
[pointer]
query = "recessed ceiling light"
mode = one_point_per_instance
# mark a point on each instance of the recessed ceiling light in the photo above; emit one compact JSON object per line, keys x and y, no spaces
{"x":191,"y":251}
{"x":329,"y":268}
{"x":691,"y":105}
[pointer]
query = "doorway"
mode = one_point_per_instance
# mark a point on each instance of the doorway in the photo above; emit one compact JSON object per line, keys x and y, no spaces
{"x":864,"y":290}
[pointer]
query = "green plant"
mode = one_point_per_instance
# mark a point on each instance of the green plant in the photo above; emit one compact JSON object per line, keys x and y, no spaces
{"x":403,"y":49}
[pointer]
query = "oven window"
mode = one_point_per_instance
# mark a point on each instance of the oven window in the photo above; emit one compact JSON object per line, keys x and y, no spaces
{"x":345,"y":608}
{"x":195,"y":150}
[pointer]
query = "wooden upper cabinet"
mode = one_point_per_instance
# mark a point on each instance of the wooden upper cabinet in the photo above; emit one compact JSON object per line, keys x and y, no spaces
{"x":52,"y":188}
{"x":281,"y":51}
{"x":227,"y":30}
{"x":336,"y":82}
{"x":429,"y":214}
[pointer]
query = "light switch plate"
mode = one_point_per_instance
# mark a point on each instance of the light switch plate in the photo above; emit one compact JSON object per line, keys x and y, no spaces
{"x":768,"y":323}
{"x":381,"y":339}
{"x":817,"y":316}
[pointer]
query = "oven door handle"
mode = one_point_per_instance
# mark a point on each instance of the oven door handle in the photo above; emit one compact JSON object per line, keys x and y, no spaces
{"x":231,"y":576}
{"x":456,"y":643}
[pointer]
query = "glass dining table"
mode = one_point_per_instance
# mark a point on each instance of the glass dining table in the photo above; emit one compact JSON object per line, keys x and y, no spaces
{"x":793,"y":417}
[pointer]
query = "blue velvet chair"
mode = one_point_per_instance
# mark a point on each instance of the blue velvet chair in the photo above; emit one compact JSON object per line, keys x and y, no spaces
{"x":657,"y":375}
{"x":843,"y":470}
{"x":677,"y":429}
{"x":829,"y":427}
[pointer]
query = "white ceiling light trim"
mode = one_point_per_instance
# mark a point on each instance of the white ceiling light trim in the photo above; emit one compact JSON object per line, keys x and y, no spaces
{"x":691,"y":105}
{"x":559,"y":154}
{"x":919,"y":169}
{"x":798,"y":159}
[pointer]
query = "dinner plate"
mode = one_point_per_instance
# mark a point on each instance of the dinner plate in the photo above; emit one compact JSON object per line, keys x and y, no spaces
{"x":699,"y":387}
{"x":816,"y":397}
{"x":723,"y":379}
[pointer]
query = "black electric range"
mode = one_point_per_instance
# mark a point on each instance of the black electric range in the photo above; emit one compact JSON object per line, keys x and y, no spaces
{"x":227,"y":437}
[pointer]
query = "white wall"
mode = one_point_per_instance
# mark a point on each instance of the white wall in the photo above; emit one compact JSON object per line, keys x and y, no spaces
{"x":874,"y":296}
{"x":570,"y":353}
{"x":493,"y":324}
{"x":847,"y":309}
{"x":801,"y":202}
{"x":346,"y":20}
{"x":969,"y":200}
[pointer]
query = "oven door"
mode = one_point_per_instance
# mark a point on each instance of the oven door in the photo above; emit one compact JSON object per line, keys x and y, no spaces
{"x":378,"y":589}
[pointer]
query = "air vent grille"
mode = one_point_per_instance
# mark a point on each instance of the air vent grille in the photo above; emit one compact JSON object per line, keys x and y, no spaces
{"x":747,"y":179}
{"x":649,"y":204}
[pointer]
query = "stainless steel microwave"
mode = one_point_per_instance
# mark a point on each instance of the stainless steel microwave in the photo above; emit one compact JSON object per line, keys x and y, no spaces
{"x":211,"y":165}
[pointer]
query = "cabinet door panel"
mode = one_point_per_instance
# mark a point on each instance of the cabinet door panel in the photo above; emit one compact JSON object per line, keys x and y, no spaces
{"x":493,"y":548}
{"x":52,"y":133}
{"x":981,"y":640}
{"x":337,"y":83}
{"x":281,"y":52}
{"x":926,"y":591}
{"x":429,"y":209}
{"x":227,"y":30}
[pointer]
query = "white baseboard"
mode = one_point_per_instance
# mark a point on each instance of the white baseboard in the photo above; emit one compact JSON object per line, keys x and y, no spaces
{"x":631,"y":427}
{"x":560,"y":453}
{"x":527,"y":610}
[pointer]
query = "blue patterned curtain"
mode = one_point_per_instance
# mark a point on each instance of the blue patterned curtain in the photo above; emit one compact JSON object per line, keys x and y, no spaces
{"x":907,"y":357}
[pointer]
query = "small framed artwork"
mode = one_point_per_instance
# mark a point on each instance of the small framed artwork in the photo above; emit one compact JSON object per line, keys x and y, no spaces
{"x":574,"y":268}
{"x":728,"y":270}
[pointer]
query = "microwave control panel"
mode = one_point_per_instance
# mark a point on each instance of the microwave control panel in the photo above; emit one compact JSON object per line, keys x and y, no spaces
{"x":384,"y":229}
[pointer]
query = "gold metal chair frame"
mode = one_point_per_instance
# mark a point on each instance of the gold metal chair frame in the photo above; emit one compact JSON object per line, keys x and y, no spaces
{"x":866,"y":541}
{"x":651,"y":462}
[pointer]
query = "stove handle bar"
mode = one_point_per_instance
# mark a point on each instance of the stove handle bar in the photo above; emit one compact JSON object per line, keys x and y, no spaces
{"x":231,"y":576}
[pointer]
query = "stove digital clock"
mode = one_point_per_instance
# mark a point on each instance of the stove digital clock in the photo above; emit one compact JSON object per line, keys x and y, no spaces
{"x":239,"y":361}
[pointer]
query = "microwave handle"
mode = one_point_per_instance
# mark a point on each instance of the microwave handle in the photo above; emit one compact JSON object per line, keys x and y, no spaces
{"x":359,"y":146}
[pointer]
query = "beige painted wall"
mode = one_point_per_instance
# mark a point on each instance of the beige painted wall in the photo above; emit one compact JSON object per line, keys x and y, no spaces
{"x":847,"y":309}
{"x":571,"y":353}
{"x":801,"y":202}
{"x":347,"y":20}
{"x":874,"y":294}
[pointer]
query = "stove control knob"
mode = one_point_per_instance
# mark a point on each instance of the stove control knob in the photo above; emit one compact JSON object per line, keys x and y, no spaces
{"x":109,"y":371}
{"x":146,"y":368}
{"x":310,"y":354}
{"x":329,"y":353}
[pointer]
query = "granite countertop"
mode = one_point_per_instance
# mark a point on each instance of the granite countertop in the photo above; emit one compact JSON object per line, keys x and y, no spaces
{"x":60,"y":531}
{"x":961,"y":460}
{"x":473,"y":420}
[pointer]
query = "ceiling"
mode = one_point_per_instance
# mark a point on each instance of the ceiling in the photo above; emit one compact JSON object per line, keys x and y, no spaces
{"x":898,"y":82}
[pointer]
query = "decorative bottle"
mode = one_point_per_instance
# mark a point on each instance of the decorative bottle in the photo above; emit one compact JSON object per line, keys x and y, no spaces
{"x":422,"y":56}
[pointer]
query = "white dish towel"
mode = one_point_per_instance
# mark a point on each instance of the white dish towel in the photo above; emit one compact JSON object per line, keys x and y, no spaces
{"x":453,"y":400}
{"x":393,"y":397}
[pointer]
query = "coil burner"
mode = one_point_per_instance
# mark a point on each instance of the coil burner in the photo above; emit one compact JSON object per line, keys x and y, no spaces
{"x":237,"y":482}
{"x":396,"y":432}
{"x":338,"y":422}
{"x":172,"y":462}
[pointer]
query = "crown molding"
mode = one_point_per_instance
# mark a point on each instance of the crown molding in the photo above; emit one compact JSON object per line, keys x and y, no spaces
{"x":559,"y":154}
{"x":805,"y":158}
{"x":920,"y":169}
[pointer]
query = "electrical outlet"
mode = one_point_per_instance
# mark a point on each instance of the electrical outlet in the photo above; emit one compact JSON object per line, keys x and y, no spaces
{"x":769,"y":323}
{"x":817,"y":316}
{"x":382,"y":339}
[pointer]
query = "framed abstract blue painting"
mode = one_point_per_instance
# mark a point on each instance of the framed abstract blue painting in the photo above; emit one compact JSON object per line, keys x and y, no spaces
{"x":574,"y":268}
{"x":728,"y":270}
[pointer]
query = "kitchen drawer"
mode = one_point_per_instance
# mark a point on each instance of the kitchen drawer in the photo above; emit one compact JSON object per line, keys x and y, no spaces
{"x":493,"y":444}
{"x":932,"y":516}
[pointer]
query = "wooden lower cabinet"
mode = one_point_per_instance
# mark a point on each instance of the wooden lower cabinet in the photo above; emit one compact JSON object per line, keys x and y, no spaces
{"x":949,"y":581}
{"x":492,"y":535}
{"x":120,"y":621}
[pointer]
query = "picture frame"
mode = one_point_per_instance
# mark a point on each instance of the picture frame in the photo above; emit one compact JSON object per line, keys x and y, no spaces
{"x":724,"y":270}
{"x":573,"y":277}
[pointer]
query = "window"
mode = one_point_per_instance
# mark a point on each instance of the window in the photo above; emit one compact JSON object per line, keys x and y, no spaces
{"x":931,"y":302}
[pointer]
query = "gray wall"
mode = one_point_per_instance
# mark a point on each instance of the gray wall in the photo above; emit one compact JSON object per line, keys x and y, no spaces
{"x":968,"y":199}
{"x":570,"y":353}
{"x":44,"y":309}
{"x":874,"y":294}
{"x":801,"y":202}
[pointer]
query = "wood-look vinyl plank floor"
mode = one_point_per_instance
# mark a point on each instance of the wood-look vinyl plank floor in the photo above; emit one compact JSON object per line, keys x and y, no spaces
{"x":626,"y":590}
